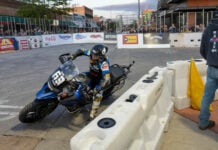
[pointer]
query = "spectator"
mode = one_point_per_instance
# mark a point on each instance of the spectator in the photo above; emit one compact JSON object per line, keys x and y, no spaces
{"x":209,"y":51}
{"x":172,"y":28}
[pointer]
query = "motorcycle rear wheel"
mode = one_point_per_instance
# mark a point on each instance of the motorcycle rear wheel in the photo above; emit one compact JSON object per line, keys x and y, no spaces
{"x":35,"y":111}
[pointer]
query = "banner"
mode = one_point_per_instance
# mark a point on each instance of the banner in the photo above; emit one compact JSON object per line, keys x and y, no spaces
{"x":7,"y":44}
{"x":24,"y":44}
{"x":95,"y":37}
{"x":156,"y":38}
{"x":130,"y":39}
{"x":56,"y":39}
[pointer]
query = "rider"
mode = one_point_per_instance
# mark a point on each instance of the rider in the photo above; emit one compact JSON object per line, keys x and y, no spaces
{"x":99,"y":72}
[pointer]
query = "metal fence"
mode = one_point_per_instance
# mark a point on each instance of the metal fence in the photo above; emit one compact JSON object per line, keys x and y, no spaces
{"x":14,"y":25}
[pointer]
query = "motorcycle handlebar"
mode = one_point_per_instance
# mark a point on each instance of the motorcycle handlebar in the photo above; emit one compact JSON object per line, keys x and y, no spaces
{"x":64,"y":57}
{"x":130,"y":65}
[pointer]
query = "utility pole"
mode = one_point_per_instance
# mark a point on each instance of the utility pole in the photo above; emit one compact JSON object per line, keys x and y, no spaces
{"x":138,"y":15}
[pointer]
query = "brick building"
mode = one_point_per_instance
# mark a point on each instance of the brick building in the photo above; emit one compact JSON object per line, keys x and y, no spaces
{"x":9,"y":7}
{"x":82,"y":10}
{"x":186,"y":14}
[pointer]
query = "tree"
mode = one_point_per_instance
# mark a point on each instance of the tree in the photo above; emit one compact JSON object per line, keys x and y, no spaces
{"x":42,"y":8}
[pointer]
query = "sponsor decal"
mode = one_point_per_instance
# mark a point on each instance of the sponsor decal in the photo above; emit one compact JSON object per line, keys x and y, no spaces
{"x":130,"y":39}
{"x":7,"y":44}
{"x":64,"y":37}
{"x":214,"y":40}
{"x":50,"y":38}
{"x":95,"y":36}
{"x":24,"y":44}
{"x":80,"y":36}
{"x":105,"y":67}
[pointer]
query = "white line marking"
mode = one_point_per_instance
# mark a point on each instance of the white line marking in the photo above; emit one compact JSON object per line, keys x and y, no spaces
{"x":8,"y":113}
{"x":9,"y":106}
{"x":3,"y":101}
{"x":7,"y":118}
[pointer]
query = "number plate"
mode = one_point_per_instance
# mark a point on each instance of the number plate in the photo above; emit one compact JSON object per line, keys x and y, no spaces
{"x":58,"y":78}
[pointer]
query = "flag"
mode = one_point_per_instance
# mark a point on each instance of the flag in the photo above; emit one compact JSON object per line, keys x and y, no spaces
{"x":195,"y":87}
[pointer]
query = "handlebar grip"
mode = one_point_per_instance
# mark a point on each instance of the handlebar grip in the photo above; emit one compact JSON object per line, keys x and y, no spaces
{"x":64,"y":57}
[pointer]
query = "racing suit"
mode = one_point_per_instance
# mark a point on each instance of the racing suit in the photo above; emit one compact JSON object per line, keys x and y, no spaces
{"x":99,"y":73}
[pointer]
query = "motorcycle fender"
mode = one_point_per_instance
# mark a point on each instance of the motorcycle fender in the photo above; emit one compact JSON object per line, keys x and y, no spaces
{"x":45,"y":93}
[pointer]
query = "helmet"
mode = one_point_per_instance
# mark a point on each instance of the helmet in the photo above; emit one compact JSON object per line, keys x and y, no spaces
{"x":99,"y":50}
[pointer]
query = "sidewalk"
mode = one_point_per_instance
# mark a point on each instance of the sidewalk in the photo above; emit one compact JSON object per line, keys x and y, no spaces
{"x":184,"y":134}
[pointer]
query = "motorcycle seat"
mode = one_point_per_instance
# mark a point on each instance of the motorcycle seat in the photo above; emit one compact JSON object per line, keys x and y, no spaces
{"x":116,"y":72}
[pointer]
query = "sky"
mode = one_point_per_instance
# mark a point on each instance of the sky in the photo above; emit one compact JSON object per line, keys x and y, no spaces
{"x":113,"y":8}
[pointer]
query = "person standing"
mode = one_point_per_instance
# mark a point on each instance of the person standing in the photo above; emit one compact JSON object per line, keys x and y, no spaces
{"x":209,"y":51}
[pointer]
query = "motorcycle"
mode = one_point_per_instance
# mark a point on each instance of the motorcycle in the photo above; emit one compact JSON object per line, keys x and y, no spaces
{"x":68,"y":87}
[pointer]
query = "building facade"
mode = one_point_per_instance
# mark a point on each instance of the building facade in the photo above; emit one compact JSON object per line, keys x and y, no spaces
{"x":9,"y":7}
{"x":186,"y":15}
{"x":82,"y":10}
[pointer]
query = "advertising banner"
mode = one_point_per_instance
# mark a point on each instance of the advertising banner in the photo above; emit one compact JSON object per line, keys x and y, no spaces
{"x":7,"y":44}
{"x":56,"y":39}
{"x":23,"y":42}
{"x":130,"y":39}
{"x":156,"y":38}
{"x":95,"y":37}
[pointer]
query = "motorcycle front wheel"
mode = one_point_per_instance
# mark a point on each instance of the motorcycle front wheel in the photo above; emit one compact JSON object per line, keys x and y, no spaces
{"x":35,"y":111}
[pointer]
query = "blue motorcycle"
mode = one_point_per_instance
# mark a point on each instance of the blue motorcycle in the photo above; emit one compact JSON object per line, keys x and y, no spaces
{"x":68,"y":87}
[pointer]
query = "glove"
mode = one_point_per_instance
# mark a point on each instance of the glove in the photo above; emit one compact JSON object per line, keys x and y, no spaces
{"x":64,"y":57}
{"x":73,"y":57}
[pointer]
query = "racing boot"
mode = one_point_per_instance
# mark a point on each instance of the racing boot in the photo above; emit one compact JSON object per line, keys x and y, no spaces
{"x":95,"y":105}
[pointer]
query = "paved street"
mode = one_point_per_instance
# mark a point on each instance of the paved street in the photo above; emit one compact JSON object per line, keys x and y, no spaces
{"x":22,"y":73}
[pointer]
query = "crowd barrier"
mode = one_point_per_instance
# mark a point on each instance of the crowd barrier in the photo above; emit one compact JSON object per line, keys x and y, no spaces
{"x":181,"y":74}
{"x":147,"y":40}
{"x":185,"y":39}
{"x":136,"y":120}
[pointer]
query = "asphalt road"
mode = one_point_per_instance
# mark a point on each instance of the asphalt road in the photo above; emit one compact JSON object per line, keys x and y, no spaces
{"x":22,"y":73}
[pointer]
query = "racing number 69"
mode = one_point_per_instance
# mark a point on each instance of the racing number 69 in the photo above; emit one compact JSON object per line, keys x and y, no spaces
{"x":58,"y":78}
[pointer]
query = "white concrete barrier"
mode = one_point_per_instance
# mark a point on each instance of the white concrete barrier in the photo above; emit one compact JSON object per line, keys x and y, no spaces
{"x":176,"y":39}
{"x":135,"y":121}
{"x":192,"y":39}
{"x":185,"y":39}
{"x":180,"y":81}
